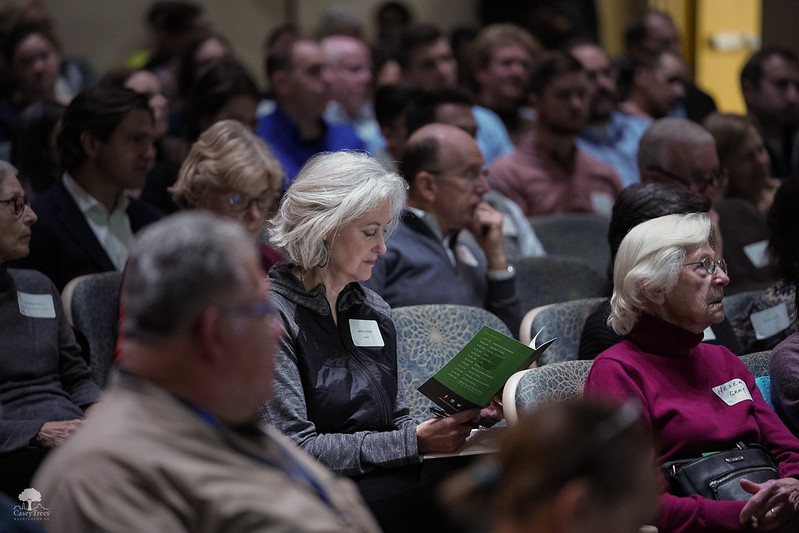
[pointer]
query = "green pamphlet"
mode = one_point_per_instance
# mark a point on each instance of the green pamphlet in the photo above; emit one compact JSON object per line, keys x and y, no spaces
{"x":480,"y":369}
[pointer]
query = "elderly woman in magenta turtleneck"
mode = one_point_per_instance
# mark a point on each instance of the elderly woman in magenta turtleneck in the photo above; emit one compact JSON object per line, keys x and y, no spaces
{"x":696,"y":398}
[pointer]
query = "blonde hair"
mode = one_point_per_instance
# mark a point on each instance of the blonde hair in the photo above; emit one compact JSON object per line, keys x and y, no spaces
{"x":650,"y":257}
{"x":227,"y":157}
{"x":331,"y":190}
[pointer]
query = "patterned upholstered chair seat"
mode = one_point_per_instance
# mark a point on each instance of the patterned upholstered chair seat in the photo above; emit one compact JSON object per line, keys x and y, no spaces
{"x":91,"y":304}
{"x":555,"y":382}
{"x":562,"y":320}
{"x":564,"y":380}
{"x":428,"y":336}
{"x":757,"y":363}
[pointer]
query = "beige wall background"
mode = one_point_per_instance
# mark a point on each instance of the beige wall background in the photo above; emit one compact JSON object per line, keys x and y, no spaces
{"x":108,"y":31}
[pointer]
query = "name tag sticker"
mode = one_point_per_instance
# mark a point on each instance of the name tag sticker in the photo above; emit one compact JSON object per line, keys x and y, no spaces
{"x":770,"y":321}
{"x":36,"y":305}
{"x":708,"y":335}
{"x":366,"y":333}
{"x":756,"y":252}
{"x":732,"y":392}
{"x":602,"y":203}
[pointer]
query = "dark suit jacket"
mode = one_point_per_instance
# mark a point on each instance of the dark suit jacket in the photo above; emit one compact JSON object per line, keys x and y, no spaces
{"x":63,"y":245}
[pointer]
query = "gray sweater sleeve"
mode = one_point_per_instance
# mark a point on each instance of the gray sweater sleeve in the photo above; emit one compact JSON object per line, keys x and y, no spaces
{"x":346,"y":454}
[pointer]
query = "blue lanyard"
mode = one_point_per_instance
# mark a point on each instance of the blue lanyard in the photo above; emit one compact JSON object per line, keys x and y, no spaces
{"x":284,"y":461}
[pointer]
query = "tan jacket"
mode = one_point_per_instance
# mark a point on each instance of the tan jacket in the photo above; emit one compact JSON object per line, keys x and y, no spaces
{"x":145,"y":461}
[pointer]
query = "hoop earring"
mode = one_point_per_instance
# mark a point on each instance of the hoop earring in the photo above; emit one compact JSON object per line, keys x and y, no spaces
{"x":326,"y":260}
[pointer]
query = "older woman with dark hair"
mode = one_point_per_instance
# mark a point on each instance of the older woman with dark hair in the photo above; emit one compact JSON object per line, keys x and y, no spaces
{"x":696,"y":398}
{"x":336,"y":384}
{"x":45,"y":385}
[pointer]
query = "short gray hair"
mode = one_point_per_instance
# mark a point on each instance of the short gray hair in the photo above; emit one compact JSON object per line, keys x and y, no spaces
{"x":331,"y":190}
{"x":653,"y":149}
{"x":651,"y":256}
{"x":5,"y":169}
{"x":178,"y":267}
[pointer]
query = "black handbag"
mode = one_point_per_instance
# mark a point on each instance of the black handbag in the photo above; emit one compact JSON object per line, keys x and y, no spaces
{"x":716,"y":476}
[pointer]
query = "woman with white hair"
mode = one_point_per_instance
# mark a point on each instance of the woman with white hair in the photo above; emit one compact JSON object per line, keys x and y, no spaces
{"x":336,"y":385}
{"x":696,"y":398}
{"x":46,"y":387}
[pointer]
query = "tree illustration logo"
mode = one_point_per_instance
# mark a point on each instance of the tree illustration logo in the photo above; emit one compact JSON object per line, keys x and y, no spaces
{"x":31,"y":508}
{"x":28,"y":496}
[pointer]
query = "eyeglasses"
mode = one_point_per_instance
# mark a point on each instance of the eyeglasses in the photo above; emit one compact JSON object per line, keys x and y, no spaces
{"x":240,"y":202}
{"x":470,"y":175}
{"x":718,"y":178}
{"x":709,"y":265}
{"x":264,"y":309}
{"x":19,"y":204}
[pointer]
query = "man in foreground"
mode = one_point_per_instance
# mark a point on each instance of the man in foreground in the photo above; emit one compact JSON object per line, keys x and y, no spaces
{"x":174,"y":446}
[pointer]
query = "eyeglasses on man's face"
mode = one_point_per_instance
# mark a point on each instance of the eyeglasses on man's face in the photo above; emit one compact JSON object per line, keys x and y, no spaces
{"x":718,"y":178}
{"x":709,"y":265}
{"x":18,"y":203}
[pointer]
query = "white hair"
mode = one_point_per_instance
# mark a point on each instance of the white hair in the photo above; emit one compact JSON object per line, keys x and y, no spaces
{"x":650,"y":257}
{"x":331,"y":190}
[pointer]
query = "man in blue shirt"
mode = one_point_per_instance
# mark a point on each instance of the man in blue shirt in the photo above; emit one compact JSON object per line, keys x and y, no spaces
{"x":610,"y":136}
{"x":295,"y":130}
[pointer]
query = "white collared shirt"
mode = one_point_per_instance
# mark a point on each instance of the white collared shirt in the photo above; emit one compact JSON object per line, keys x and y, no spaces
{"x":458,"y":251}
{"x":112,"y":230}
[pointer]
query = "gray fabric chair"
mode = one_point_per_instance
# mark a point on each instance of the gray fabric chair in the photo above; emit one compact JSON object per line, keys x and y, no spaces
{"x":584,"y":235}
{"x":555,"y":382}
{"x":556,"y":278}
{"x":757,"y":362}
{"x":428,"y":336}
{"x":91,"y":304}
{"x":563,"y":320}
{"x":564,"y":380}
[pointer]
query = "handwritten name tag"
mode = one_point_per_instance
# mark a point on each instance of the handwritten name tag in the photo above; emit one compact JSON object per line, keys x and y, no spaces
{"x":366,"y":333}
{"x":732,"y":392}
{"x":36,"y":305}
{"x":770,"y":321}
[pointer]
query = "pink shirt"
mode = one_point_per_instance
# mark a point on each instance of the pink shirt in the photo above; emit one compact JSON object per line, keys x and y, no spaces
{"x":544,"y":185}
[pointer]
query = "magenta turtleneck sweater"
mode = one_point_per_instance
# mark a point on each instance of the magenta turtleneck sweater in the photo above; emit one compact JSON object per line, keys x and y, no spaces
{"x":695,"y":398}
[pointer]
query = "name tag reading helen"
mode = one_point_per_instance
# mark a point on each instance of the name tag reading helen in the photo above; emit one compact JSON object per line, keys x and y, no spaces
{"x":36,"y":305}
{"x":732,"y":392}
{"x":366,"y":333}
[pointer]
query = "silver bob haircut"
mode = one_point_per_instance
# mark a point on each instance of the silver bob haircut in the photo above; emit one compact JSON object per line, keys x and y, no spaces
{"x":331,"y":190}
{"x":178,"y":267}
{"x":651,"y":257}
